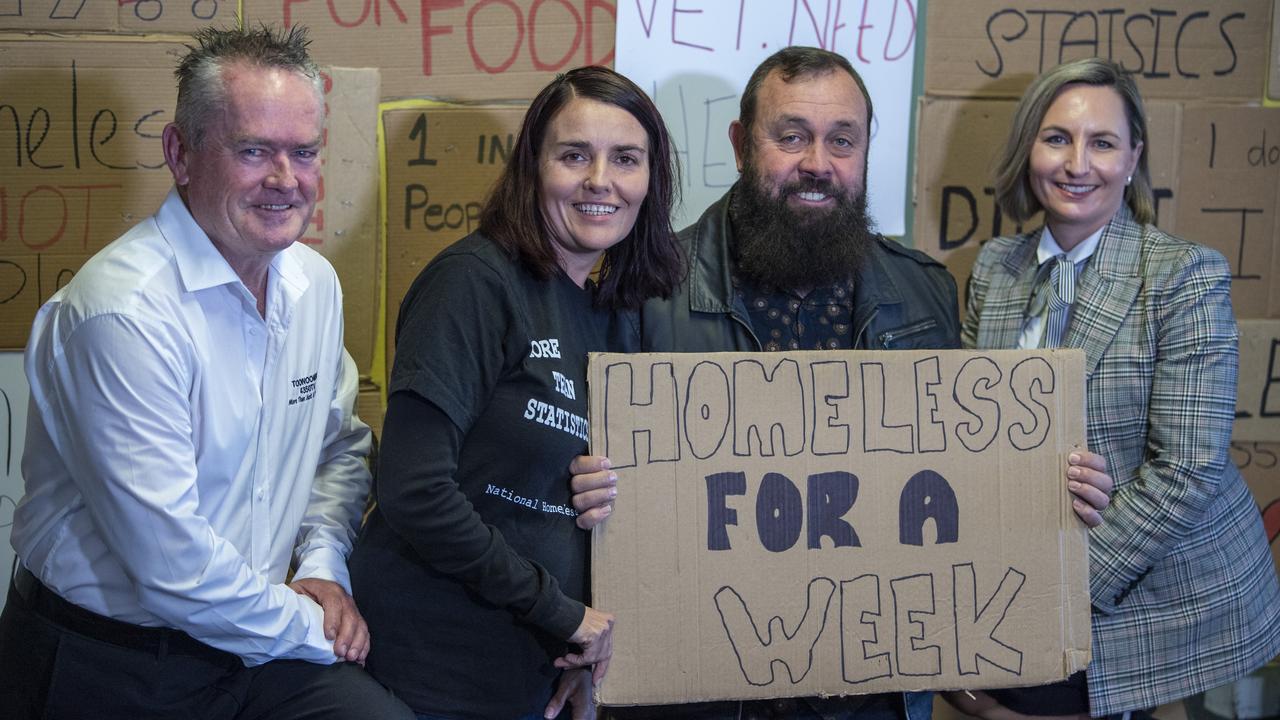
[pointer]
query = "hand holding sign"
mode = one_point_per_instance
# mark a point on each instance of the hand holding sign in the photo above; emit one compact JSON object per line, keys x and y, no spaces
{"x":1088,"y":480}
{"x":594,"y":486}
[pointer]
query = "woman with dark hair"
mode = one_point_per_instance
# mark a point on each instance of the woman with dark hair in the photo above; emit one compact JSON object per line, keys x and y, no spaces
{"x":471,"y":571}
{"x":1184,"y":593}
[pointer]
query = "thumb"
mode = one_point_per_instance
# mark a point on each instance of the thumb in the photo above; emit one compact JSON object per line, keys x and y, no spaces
{"x":557,"y":702}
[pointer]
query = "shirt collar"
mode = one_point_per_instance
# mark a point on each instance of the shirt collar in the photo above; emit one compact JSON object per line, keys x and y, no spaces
{"x":199,"y":263}
{"x":1049,"y":247}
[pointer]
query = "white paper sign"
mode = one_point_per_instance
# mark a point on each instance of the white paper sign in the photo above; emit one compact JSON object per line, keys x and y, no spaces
{"x":695,"y":56}
{"x":13,"y":423}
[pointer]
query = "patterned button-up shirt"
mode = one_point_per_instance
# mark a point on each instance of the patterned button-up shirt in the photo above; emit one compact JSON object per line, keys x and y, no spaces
{"x":787,"y":320}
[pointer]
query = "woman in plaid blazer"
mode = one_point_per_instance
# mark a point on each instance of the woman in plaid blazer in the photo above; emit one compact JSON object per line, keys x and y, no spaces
{"x":1183,"y":587}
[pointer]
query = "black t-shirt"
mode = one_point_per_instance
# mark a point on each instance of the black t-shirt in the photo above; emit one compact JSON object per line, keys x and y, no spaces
{"x":471,"y":572}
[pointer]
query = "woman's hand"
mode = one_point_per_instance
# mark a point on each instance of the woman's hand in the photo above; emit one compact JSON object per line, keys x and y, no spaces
{"x":595,"y":638}
{"x":594,"y":487}
{"x":1088,"y":480}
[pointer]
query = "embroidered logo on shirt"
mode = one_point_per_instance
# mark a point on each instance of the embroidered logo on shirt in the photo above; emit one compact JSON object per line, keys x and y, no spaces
{"x":303,"y":389}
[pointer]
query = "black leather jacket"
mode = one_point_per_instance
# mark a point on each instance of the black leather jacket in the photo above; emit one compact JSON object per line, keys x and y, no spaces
{"x":903,"y":299}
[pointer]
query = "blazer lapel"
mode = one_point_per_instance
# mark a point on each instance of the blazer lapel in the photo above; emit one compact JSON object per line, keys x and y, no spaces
{"x":1106,"y":289}
{"x":1004,"y":310}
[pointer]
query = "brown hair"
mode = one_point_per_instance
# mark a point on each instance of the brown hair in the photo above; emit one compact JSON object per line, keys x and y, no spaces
{"x":648,"y":262}
{"x":791,"y":63}
{"x":1012,"y":181}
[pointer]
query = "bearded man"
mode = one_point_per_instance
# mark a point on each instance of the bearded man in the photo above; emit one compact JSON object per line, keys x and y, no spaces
{"x":788,"y":258}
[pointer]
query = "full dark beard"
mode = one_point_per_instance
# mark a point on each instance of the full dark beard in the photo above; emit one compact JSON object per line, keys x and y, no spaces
{"x":776,"y":246}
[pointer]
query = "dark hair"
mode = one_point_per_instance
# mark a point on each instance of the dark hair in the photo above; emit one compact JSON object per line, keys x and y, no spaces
{"x":1012,"y":181}
{"x":201,"y":95}
{"x":791,"y":63}
{"x":647,"y":263}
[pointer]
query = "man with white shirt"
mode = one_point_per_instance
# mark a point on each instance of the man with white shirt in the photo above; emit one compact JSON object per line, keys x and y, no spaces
{"x":191,"y":435}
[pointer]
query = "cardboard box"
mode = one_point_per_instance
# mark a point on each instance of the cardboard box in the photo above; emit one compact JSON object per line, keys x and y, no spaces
{"x":344,"y":227}
{"x":441,"y":162}
{"x":120,"y":16}
{"x":829,"y":523}
{"x":1258,"y":391}
{"x":958,"y":142}
{"x":1259,"y":463}
{"x":1201,"y":49}
{"x":453,"y":49}
{"x":1229,"y":186}
{"x":1273,"y":84}
{"x":81,"y":162}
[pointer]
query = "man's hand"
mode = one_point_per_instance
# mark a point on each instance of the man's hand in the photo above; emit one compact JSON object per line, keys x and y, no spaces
{"x":343,"y":623}
{"x":1088,"y":480}
{"x":595,"y":637}
{"x":574,"y":688}
{"x":594,"y":486}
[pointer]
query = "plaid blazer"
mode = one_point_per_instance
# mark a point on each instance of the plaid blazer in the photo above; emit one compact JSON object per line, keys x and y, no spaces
{"x":1182,"y":583}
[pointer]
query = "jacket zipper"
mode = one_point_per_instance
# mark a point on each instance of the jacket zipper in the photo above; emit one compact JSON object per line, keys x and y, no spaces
{"x":857,"y":339}
{"x":888,"y":336}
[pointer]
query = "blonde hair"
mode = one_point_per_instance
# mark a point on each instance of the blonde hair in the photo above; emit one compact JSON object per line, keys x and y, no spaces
{"x":1012,"y":181}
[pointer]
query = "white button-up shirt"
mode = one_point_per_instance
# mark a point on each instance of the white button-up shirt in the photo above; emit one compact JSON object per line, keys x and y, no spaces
{"x":182,"y":449}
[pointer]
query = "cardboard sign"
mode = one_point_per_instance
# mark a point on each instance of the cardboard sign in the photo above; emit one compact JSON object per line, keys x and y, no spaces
{"x":120,"y":16}
{"x":1229,"y":184}
{"x":81,"y":162}
{"x":1201,"y":49}
{"x":1259,"y":463}
{"x":1258,"y":390}
{"x":959,"y":141}
{"x":830,"y":523}
{"x":441,"y":162}
{"x":453,"y":49}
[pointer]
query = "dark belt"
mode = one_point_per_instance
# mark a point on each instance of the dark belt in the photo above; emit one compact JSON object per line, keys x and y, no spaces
{"x":160,"y":641}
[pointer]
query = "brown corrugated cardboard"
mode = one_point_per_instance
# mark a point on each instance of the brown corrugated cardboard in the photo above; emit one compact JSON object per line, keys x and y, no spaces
{"x":116,"y":16}
{"x":1273,"y":84}
{"x":1202,"y":49}
{"x":369,"y":405}
{"x":1259,"y":463}
{"x":957,"y":145}
{"x":1258,"y":392}
{"x":441,"y":162}
{"x":81,"y":162}
{"x":345,"y":226}
{"x":1229,"y":174}
{"x":453,"y":49}
{"x":838,"y":522}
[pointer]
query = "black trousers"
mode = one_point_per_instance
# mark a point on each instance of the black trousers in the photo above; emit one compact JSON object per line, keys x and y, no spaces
{"x":62,"y":662}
